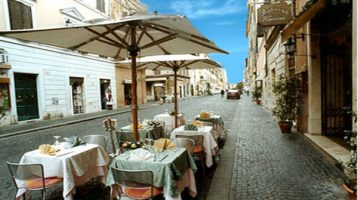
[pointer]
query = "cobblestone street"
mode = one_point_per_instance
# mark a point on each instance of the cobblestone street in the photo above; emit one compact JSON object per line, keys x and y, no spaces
{"x":272,"y":165}
{"x":257,"y":162}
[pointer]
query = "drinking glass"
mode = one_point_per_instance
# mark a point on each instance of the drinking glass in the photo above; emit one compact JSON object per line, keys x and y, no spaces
{"x":57,"y":140}
{"x":166,"y":111}
{"x":149,"y":143}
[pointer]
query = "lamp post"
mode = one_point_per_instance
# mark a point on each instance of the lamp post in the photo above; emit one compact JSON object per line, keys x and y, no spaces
{"x":290,"y":47}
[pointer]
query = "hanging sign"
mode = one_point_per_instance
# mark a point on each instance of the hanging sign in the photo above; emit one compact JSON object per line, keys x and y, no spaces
{"x":274,"y":14}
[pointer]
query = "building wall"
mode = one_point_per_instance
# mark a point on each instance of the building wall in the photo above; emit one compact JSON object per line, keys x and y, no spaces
{"x":125,"y":73}
{"x":54,"y":68}
{"x":354,"y":66}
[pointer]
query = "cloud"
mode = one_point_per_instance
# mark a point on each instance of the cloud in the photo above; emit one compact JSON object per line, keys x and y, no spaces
{"x":199,"y":9}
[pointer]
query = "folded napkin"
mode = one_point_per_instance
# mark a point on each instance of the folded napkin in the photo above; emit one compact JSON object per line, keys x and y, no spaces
{"x":139,"y":126}
{"x":75,"y":141}
{"x":47,"y":149}
{"x":163,"y":143}
{"x":197,"y":123}
{"x":141,"y":154}
{"x":204,"y":115}
{"x":190,"y":127}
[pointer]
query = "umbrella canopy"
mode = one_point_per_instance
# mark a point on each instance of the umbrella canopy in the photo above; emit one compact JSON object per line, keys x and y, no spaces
{"x":131,"y":36}
{"x":175,"y":62}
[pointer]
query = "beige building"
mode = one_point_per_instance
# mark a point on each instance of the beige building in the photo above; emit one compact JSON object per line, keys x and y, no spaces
{"x":317,"y":46}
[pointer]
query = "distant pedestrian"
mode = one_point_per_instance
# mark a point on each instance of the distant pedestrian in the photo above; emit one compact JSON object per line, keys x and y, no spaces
{"x":222,"y":93}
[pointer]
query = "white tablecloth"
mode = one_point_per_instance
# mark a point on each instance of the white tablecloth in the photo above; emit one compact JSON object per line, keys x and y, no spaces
{"x":169,"y":121}
{"x":75,"y":165}
{"x":209,"y":144}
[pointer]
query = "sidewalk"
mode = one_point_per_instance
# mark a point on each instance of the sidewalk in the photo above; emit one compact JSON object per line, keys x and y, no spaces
{"x":36,"y":125}
{"x":259,"y":162}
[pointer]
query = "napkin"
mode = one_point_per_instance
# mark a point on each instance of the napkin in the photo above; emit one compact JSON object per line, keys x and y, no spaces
{"x":47,"y":149}
{"x":197,"y":123}
{"x":141,"y":154}
{"x":139,"y":126}
{"x":204,"y":115}
{"x":190,"y":127}
{"x":164,"y":143}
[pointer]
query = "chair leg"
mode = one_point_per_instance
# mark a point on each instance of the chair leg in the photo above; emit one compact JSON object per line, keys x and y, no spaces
{"x":202,"y":165}
{"x":43,"y":194}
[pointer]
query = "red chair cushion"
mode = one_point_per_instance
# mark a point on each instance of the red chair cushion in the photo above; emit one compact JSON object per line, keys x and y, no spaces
{"x":198,"y":149}
{"x":37,"y":183}
{"x":141,"y":193}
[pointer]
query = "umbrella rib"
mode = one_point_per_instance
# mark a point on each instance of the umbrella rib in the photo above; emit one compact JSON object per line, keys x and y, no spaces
{"x":211,"y":63}
{"x":189,"y":63}
{"x":89,"y":41}
{"x":205,"y":45}
{"x":164,"y":50}
{"x":159,"y":41}
{"x":124,"y":38}
{"x":103,"y":35}
{"x":117,"y":36}
{"x":169,"y":30}
{"x":141,"y":34}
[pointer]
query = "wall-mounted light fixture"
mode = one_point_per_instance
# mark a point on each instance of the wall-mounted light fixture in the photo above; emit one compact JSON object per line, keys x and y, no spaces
{"x":290,"y":46}
{"x":3,"y":56}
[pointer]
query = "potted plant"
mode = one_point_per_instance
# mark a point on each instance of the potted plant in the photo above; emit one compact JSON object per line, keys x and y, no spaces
{"x":256,"y":94}
{"x":285,"y":105}
{"x":349,"y":167}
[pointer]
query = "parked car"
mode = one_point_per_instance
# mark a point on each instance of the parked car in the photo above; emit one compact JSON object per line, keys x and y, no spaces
{"x":233,"y":94}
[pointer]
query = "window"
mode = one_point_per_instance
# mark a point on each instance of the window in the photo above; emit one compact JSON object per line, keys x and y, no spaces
{"x":20,"y":15}
{"x":100,"y":5}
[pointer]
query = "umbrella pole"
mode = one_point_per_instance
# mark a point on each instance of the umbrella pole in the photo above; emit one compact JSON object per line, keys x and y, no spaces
{"x":175,"y":98}
{"x":133,"y":50}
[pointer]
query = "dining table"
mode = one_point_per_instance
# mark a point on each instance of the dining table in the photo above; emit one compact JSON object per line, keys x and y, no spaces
{"x":76,"y":165}
{"x":218,"y":123}
{"x":169,"y":120}
{"x":209,"y":144}
{"x":145,"y":131}
{"x":173,"y":170}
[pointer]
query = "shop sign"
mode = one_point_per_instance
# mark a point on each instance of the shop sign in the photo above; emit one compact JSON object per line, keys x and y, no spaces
{"x":274,"y":14}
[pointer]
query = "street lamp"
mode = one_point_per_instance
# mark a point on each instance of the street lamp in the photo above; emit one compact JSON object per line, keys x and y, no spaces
{"x":290,"y":46}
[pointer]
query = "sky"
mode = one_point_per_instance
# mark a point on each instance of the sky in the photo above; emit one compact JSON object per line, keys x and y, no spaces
{"x":221,"y":21}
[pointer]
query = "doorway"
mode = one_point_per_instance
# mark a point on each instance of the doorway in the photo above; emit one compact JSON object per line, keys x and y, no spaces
{"x":336,"y":69}
{"x":105,"y":87}
{"x":26,"y":96}
{"x":77,"y":94}
{"x":127,"y":94}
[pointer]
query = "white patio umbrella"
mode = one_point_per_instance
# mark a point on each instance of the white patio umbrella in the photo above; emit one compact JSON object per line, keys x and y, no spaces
{"x":131,"y":36}
{"x":175,"y":62}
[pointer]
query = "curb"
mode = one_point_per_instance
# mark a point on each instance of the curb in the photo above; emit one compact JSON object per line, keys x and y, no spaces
{"x":3,"y":136}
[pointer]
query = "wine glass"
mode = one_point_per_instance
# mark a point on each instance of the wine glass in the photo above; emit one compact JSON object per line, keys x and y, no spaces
{"x":57,"y":140}
{"x":149,"y":143}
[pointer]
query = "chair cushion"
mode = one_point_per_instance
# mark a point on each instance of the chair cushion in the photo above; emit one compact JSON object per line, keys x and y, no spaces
{"x":142,"y":193}
{"x":37,"y":183}
{"x":198,"y":149}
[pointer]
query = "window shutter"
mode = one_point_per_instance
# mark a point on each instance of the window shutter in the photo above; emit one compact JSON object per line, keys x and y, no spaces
{"x":20,"y":15}
{"x":27,"y":17}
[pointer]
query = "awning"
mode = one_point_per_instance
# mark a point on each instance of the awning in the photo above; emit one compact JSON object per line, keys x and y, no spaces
{"x":302,"y":19}
{"x":127,"y":81}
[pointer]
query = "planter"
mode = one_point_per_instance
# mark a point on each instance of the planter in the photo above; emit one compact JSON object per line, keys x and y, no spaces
{"x":285,"y":126}
{"x":352,"y":195}
{"x":258,"y":101}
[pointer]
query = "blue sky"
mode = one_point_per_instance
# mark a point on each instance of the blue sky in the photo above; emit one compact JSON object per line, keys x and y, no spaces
{"x":222,"y":21}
